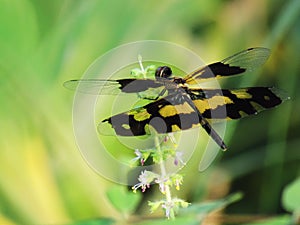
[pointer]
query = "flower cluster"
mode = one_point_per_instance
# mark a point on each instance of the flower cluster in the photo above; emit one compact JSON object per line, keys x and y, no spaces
{"x":166,"y":152}
{"x":170,"y":207}
{"x":164,"y":180}
{"x":146,"y":178}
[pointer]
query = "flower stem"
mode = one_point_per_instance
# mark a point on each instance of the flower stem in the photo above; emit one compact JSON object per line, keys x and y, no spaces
{"x":164,"y":174}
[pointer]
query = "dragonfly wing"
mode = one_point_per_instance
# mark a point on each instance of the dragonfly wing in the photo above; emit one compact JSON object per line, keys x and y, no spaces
{"x":164,"y":115}
{"x":227,"y":104}
{"x":94,"y":86}
{"x":241,"y":62}
{"x":249,"y":59}
{"x":112,"y":87}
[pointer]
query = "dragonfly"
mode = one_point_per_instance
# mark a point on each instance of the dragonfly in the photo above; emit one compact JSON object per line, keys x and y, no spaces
{"x":180,"y":104}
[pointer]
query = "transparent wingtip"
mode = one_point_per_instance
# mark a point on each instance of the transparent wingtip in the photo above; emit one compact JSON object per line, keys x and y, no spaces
{"x":283,"y":95}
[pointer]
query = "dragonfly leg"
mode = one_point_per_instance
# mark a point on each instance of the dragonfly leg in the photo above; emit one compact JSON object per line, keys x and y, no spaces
{"x":206,"y":126}
{"x":212,"y":133}
{"x":161,"y":93}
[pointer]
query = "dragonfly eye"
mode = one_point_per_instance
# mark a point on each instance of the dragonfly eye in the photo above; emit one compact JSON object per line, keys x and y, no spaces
{"x":163,"y":71}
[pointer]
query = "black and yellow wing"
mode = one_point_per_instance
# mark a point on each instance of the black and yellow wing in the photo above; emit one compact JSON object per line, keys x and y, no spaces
{"x":170,"y":115}
{"x":230,"y":104}
{"x":244,"y":61}
{"x":164,"y":115}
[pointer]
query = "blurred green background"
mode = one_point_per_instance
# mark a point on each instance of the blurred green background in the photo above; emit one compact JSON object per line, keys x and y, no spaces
{"x":44,"y":179}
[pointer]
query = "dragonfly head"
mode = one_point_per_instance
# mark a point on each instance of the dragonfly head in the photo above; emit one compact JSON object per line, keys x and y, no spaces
{"x":163,"y":72}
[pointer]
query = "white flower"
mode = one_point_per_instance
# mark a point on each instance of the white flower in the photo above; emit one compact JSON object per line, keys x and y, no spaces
{"x":139,"y":156}
{"x":168,"y":207}
{"x":162,"y":184}
{"x":145,"y":178}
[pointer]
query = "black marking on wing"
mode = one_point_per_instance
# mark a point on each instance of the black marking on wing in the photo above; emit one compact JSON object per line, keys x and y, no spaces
{"x":236,"y":103}
{"x":138,"y":85}
{"x":170,"y":114}
{"x":112,"y":87}
{"x":164,"y":115}
{"x":221,"y":69}
{"x":241,"y":62}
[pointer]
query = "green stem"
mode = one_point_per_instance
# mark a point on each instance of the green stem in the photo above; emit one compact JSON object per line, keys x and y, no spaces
{"x":162,"y":167}
{"x":164,"y":174}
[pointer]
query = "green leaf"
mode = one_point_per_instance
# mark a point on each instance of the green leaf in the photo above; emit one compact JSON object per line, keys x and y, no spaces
{"x":123,"y":200}
{"x":205,"y":208}
{"x":102,"y":221}
{"x":291,"y":196}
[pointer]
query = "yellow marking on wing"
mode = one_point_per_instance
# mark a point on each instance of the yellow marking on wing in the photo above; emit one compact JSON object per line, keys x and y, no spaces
{"x":140,"y":116}
{"x":194,"y":77}
{"x":241,"y":94}
{"x":195,"y":125}
{"x":201,"y":105}
{"x":126,"y":126}
{"x":175,"y":128}
{"x":218,"y":76}
{"x":212,"y":103}
{"x":256,"y":106}
{"x":242,"y":113}
{"x":171,"y":110}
